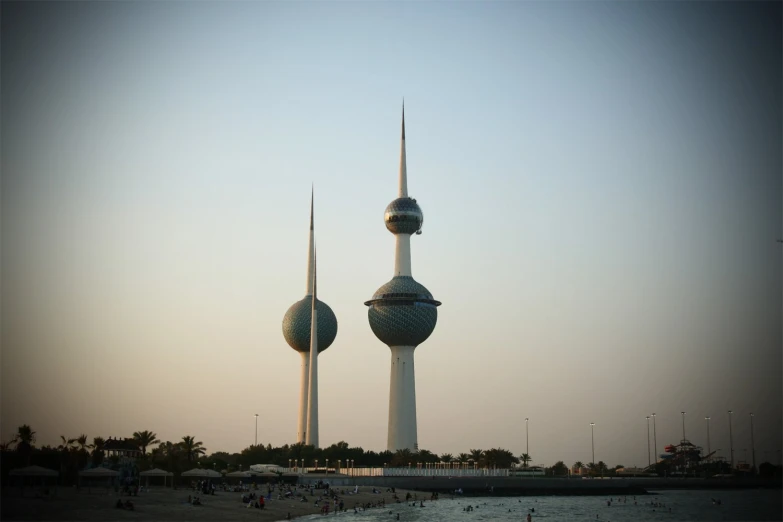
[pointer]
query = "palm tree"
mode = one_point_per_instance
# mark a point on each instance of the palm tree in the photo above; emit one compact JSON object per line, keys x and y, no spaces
{"x":81,"y":441}
{"x":144,"y":439}
{"x":66,"y":445}
{"x":447,"y":457}
{"x":578,"y":465}
{"x":24,"y":439}
{"x":525,"y":458}
{"x":192,"y":448}
{"x":97,"y":452}
{"x":6,"y":446}
{"x":402,"y":457}
{"x":463,"y":457}
{"x":477,"y":456}
{"x":426,"y":456}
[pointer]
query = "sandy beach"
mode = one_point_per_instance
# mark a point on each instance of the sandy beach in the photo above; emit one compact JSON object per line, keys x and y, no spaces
{"x":168,"y":504}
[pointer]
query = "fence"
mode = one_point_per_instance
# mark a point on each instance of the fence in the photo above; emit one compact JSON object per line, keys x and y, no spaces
{"x":409,"y":471}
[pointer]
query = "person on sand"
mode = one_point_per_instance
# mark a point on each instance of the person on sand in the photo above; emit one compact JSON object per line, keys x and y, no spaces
{"x":261,"y":503}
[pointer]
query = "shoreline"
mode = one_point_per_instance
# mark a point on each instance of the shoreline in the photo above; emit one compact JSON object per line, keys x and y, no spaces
{"x":66,"y":503}
{"x":527,"y":486}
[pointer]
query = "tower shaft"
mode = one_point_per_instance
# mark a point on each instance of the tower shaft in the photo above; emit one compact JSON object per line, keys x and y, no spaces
{"x":402,"y":400}
{"x":310,"y":252}
{"x":402,"y":255}
{"x":304,"y":386}
{"x":311,"y":435}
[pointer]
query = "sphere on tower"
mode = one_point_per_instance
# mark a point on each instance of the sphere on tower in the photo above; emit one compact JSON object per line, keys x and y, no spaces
{"x":402,"y":312}
{"x":296,"y":325}
{"x":403,"y":216}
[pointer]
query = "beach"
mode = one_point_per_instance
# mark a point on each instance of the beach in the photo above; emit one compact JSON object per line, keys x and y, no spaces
{"x":169,"y":504}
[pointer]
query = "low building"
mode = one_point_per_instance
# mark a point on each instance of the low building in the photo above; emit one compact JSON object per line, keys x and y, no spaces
{"x":122,"y":448}
{"x":267,"y":468}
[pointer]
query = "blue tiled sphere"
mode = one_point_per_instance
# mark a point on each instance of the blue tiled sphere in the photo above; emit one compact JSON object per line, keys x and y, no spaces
{"x":402,"y":312}
{"x":403,"y":216}
{"x":297,"y":321}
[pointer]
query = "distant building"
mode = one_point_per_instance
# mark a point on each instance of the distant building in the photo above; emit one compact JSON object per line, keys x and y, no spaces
{"x":267,"y":468}
{"x":579,"y":471}
{"x":631,"y":472}
{"x":122,"y":448}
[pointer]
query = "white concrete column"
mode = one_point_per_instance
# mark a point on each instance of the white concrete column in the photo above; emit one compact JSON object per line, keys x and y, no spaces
{"x":402,"y":400}
{"x":312,"y":403}
{"x":402,"y":255}
{"x":304,"y":382}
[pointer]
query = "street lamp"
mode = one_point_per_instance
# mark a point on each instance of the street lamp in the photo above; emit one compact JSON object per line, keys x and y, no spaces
{"x":752,"y":443}
{"x":592,"y":439}
{"x":649,"y":463}
{"x":527,"y":444}
{"x":256,"y":444}
{"x":708,"y":434}
{"x":731,"y":443}
{"x":683,"y":425}
{"x":655,"y":440}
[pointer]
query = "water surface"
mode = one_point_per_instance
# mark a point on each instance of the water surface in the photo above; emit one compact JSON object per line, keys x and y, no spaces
{"x":736,"y":505}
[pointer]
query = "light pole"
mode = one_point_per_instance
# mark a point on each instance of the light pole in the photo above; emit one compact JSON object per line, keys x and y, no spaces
{"x":683,"y":425}
{"x":527,"y":441}
{"x":752,"y":443}
{"x":592,"y":440}
{"x":649,"y":463}
{"x":256,"y":444}
{"x":708,"y":434}
{"x":731,"y":443}
{"x":655,"y":440}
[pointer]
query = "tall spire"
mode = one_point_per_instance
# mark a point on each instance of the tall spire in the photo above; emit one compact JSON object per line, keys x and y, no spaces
{"x":403,"y":192}
{"x":403,"y":119}
{"x":311,"y":431}
{"x":310,"y":249}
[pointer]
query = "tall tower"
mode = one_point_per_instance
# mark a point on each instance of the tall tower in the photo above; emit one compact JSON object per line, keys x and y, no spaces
{"x":402,"y":313}
{"x":297,"y":330}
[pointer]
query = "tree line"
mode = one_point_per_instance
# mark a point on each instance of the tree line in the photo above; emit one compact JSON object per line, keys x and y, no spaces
{"x":77,"y":453}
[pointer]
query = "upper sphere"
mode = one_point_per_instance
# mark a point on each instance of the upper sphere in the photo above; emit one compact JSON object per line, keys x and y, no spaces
{"x":403,"y":216}
{"x":297,"y":321}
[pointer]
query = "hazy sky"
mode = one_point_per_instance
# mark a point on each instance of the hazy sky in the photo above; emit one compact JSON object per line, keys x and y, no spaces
{"x":601,"y":186}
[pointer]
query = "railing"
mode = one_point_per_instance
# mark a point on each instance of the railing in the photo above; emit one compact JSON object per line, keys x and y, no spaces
{"x":412,"y":471}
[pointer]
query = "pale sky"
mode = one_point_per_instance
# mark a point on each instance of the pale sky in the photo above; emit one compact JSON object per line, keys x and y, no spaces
{"x":601,"y":187}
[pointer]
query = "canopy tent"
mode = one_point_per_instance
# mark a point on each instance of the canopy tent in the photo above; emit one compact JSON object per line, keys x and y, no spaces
{"x":34,"y":472}
{"x":239,"y":474}
{"x":93,"y":473}
{"x":267,"y":476}
{"x":157,"y":472}
{"x":202,"y":473}
{"x":99,"y":472}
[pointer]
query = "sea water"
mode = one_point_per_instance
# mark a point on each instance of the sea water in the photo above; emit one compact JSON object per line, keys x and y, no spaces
{"x":739,"y":505}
